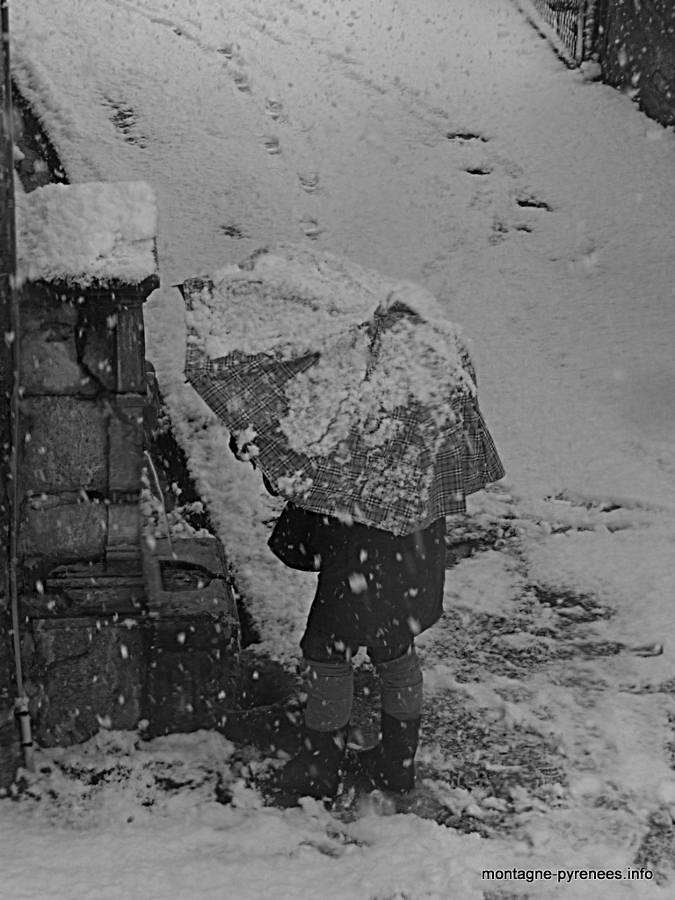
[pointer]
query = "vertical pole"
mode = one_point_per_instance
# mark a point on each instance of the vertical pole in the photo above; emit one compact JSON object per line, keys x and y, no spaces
{"x":5,"y":427}
{"x":9,"y":376}
{"x":7,"y":271}
{"x":581,"y":31}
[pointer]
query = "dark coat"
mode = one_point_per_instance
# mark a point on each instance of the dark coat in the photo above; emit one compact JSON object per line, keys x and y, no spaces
{"x":375,"y":589}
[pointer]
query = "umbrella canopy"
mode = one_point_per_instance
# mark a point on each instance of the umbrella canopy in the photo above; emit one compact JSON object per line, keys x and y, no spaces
{"x":352,"y":393}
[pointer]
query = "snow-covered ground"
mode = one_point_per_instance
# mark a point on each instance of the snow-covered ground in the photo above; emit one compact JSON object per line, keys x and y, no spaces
{"x":440,"y":141}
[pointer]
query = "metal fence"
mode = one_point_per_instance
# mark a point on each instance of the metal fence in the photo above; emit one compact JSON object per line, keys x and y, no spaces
{"x":574,"y":21}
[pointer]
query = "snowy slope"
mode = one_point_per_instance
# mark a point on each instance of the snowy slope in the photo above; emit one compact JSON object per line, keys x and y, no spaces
{"x":439,"y":141}
{"x":362,"y":101}
{"x":569,"y":307}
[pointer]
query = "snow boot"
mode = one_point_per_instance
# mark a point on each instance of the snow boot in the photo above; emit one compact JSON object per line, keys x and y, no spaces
{"x":390,"y":766}
{"x":315,"y":770}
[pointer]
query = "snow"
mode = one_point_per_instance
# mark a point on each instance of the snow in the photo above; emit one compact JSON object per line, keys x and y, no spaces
{"x":372,"y":380}
{"x":123,"y":835}
{"x":84,"y":233}
{"x":413,"y":363}
{"x":291,"y":302}
{"x":444,"y":144}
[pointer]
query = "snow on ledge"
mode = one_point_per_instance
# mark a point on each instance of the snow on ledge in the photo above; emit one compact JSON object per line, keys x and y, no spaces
{"x":83,"y":234}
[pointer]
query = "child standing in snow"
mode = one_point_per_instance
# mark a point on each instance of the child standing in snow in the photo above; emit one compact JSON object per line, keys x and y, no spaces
{"x":375,"y":590}
{"x":418,"y":447}
{"x":354,"y":395}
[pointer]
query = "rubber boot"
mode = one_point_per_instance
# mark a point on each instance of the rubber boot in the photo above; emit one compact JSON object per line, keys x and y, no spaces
{"x":390,"y":765}
{"x":315,"y":770}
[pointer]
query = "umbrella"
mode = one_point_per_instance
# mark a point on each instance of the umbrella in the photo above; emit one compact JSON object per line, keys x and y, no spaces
{"x":353,"y":394}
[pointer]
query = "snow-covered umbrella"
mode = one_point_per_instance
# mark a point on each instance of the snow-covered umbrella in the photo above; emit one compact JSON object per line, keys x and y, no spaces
{"x":353,"y":394}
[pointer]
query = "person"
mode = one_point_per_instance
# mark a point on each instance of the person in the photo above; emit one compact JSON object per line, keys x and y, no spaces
{"x":375,"y":590}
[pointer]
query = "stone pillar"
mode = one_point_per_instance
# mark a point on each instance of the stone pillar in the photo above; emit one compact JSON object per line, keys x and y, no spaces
{"x":84,"y":393}
{"x":115,"y":632}
{"x":88,"y":261}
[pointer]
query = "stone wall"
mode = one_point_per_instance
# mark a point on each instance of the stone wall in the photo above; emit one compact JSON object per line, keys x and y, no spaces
{"x":116,"y":630}
{"x":109,"y":650}
{"x":110,"y":646}
{"x":637,"y":53}
{"x":81,"y":420}
{"x":10,"y":752}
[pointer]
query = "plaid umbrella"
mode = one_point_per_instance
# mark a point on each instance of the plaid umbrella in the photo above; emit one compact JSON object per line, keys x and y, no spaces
{"x":378,"y":422}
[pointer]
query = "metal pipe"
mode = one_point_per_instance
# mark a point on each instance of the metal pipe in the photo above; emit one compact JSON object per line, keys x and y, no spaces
{"x":160,"y":497}
{"x":11,"y":317}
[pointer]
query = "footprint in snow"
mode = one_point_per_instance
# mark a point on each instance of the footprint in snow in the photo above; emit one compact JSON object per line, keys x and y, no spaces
{"x":309,"y":181}
{"x":311,"y":227}
{"x":233,"y":231}
{"x":465,"y":136}
{"x":274,"y":108}
{"x":529,"y":201}
{"x":272,"y":145}
{"x":241,"y":82}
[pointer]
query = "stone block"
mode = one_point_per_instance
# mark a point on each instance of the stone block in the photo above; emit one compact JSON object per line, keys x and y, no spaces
{"x":130,"y":349}
{"x":126,"y":441}
{"x":84,"y":674}
{"x":124,"y":531}
{"x":88,"y":589}
{"x":63,"y":530}
{"x":188,"y":577}
{"x":113,"y":341}
{"x":173,"y":661}
{"x":194,"y":670}
{"x":97,"y":330}
{"x":193,"y":673}
{"x":48,"y":360}
{"x":64,"y":446}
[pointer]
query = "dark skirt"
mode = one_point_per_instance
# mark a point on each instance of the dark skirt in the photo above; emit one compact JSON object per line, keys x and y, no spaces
{"x":375,"y":589}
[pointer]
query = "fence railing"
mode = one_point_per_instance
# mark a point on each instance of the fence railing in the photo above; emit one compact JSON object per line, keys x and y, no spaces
{"x":575,"y":23}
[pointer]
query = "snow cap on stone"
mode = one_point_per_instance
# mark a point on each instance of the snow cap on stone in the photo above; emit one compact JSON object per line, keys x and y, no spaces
{"x":87,"y":233}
